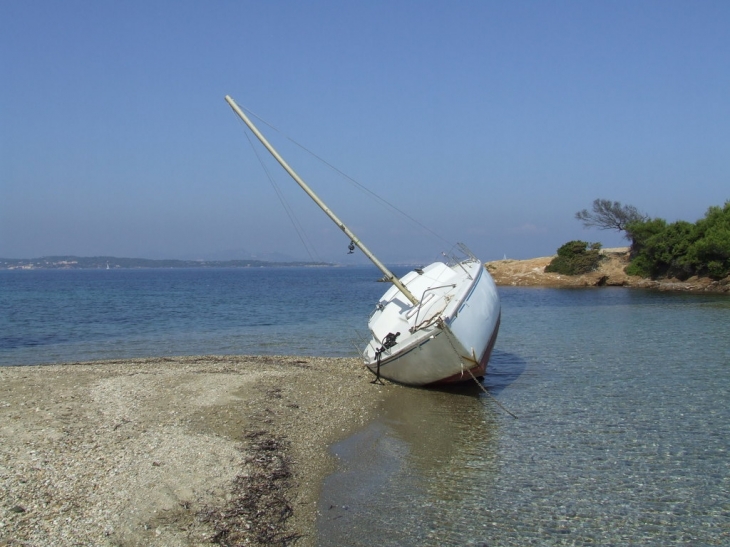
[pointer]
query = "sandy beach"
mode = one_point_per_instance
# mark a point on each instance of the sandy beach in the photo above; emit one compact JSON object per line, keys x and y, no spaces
{"x":211,"y":450}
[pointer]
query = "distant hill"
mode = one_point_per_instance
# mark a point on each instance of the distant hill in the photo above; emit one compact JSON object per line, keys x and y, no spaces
{"x":240,"y":254}
{"x":111,"y":262}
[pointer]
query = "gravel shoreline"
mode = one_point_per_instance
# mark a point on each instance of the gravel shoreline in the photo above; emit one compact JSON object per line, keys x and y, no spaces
{"x":210,"y":450}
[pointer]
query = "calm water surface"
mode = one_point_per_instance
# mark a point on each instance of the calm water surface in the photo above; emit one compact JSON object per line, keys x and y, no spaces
{"x":622,"y":397}
{"x":49,"y":316}
{"x":622,"y":437}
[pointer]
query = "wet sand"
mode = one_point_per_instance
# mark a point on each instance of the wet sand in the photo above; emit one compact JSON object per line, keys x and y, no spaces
{"x":182,"y":451}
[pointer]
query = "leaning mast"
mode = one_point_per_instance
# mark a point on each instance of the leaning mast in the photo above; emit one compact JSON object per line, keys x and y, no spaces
{"x":389,"y":276}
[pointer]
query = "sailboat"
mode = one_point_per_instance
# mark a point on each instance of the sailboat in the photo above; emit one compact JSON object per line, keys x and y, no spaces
{"x":436,"y":325}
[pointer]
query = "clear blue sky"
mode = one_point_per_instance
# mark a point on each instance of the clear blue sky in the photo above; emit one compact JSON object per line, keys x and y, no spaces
{"x":492,"y":123}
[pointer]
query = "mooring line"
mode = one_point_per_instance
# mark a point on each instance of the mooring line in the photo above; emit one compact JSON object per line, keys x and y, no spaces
{"x":447,"y":333}
{"x":500,"y":405}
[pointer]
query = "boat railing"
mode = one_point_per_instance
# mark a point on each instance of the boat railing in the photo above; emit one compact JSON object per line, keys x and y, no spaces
{"x":459,"y":254}
{"x":426,"y":298}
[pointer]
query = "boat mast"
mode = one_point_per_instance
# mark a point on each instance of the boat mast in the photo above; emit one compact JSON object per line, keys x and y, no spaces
{"x":386,"y":272}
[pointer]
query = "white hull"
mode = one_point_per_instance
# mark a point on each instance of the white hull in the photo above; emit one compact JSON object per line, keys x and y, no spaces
{"x":448,"y":337}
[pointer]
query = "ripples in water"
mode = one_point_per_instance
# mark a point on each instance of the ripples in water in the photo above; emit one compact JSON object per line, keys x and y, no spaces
{"x":622,"y":437}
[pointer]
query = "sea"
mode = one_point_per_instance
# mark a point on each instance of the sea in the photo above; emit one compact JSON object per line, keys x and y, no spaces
{"x":618,"y":430}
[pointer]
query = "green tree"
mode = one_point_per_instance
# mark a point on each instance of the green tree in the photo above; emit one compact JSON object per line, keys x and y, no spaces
{"x":661,"y":248}
{"x":682,"y":249}
{"x":709,"y":251}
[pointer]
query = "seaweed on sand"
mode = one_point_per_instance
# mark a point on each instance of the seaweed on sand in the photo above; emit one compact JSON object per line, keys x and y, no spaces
{"x":259,"y":507}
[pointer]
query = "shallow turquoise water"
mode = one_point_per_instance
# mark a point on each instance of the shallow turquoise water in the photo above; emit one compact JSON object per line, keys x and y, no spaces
{"x":623,"y":434}
{"x":622,"y":397}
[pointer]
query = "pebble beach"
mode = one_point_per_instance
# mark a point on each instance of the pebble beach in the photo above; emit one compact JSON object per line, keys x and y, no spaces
{"x":209,"y":450}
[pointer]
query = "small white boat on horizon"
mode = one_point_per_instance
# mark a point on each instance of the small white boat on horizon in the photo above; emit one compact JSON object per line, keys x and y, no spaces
{"x":435,"y":325}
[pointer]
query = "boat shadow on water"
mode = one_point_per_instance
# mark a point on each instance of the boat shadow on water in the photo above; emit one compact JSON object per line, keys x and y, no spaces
{"x":422,"y":444}
{"x":504,"y":368}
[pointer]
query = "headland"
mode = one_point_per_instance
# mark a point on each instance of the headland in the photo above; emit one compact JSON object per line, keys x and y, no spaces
{"x":610,"y":273}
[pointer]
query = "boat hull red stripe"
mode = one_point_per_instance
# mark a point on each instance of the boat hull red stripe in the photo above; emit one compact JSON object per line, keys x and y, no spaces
{"x":478,"y":370}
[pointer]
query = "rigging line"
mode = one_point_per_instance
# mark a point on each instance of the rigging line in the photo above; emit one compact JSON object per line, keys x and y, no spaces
{"x":447,"y":333}
{"x":287,"y":208}
{"x":308,"y":245}
{"x":371,"y":193}
{"x":352,"y":180}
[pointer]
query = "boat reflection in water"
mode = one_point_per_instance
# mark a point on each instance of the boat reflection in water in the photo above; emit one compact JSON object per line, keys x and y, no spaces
{"x":398,"y":475}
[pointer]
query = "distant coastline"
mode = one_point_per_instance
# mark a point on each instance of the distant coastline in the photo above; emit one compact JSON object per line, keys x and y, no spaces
{"x":115,"y":263}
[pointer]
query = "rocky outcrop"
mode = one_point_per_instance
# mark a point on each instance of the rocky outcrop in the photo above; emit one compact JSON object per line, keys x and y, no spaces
{"x":531,"y":273}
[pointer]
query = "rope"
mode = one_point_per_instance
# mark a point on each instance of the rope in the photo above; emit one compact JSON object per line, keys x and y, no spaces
{"x":377,"y":374}
{"x":461,"y":361}
{"x":388,"y":342}
{"x":500,"y":405}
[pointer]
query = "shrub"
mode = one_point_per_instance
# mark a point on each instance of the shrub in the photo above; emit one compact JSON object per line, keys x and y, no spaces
{"x":639,"y":266}
{"x":682,"y":249}
{"x":575,"y":258}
